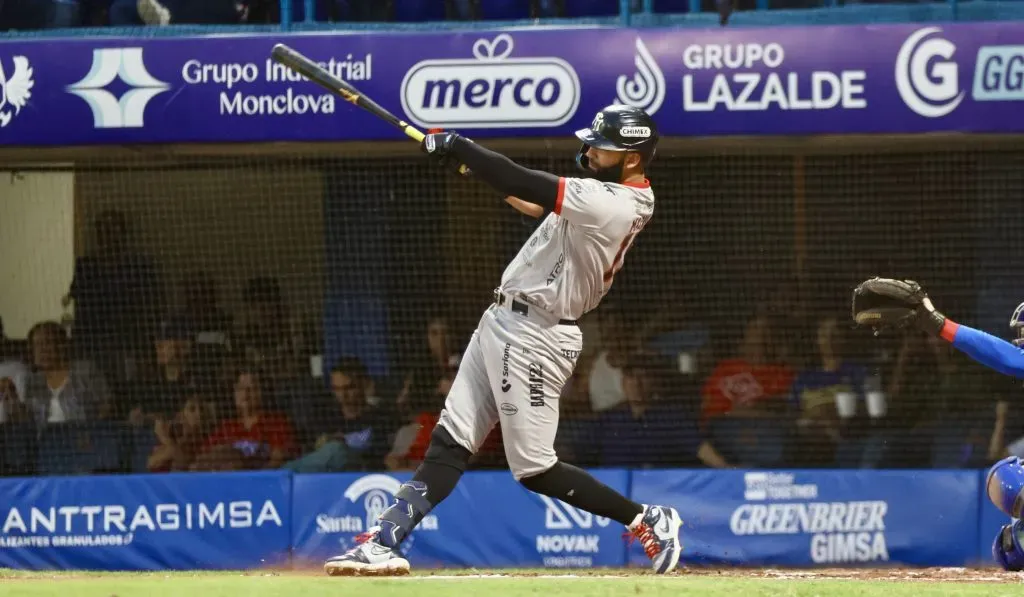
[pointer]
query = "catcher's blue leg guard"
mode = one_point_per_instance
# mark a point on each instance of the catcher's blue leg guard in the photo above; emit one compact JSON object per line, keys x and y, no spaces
{"x":1005,"y":486}
{"x":1007,"y":547}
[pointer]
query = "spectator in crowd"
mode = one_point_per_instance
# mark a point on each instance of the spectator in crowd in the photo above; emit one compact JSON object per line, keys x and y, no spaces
{"x":209,"y":326}
{"x":827,"y":394}
{"x":411,"y":440}
{"x":62,"y":390}
{"x":116,"y":295}
{"x":263,"y":336}
{"x":15,"y":372}
{"x":193,"y":12}
{"x":432,"y":371}
{"x":255,"y":438}
{"x":651,"y":429}
{"x":605,"y":371}
{"x":201,"y":310}
{"x":1007,"y":437}
{"x":180,"y":438}
{"x":577,"y":440}
{"x":965,"y":409}
{"x":756,"y":380}
{"x":172,"y":379}
{"x":12,"y":403}
{"x":353,"y":435}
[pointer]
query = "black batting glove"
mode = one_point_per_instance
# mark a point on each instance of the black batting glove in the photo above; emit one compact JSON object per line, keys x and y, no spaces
{"x":438,"y":146}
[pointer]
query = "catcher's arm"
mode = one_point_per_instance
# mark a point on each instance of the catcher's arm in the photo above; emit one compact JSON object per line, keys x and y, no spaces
{"x":884,"y":302}
{"x":994,"y":353}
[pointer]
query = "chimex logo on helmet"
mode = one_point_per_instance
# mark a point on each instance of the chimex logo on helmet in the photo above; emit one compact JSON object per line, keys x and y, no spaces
{"x":491,"y":89}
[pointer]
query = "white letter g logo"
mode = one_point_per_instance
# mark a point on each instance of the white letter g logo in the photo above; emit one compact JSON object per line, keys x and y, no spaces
{"x":926,"y":77}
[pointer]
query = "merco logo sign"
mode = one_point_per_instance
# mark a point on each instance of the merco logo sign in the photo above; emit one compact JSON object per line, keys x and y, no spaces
{"x":491,"y":89}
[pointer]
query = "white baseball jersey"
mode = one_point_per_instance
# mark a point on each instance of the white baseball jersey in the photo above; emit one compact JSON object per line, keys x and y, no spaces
{"x":567,"y":265}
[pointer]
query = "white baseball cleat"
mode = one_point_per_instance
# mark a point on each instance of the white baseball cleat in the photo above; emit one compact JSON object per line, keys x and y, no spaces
{"x":368,"y":558}
{"x":657,"y":528}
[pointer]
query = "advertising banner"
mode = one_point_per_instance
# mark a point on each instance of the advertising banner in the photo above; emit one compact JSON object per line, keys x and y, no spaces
{"x":820,"y":518}
{"x":146,"y":522}
{"x":489,"y":521}
{"x":527,"y":83}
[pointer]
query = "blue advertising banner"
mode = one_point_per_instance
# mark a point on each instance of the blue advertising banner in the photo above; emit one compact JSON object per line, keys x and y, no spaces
{"x":489,"y":521}
{"x":816,"y":518}
{"x":146,"y":522}
{"x":543,"y":82}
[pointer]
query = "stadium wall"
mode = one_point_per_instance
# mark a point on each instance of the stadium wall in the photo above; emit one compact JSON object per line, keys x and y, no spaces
{"x":276,"y":519}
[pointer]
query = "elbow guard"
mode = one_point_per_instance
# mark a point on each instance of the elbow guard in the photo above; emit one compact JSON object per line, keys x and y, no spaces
{"x":1004,"y":486}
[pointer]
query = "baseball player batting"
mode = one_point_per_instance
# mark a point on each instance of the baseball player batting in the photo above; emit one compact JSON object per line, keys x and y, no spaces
{"x":525,"y":347}
{"x":885,"y":303}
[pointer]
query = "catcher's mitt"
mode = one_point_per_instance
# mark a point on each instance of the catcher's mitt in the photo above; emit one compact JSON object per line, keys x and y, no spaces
{"x":884,"y":303}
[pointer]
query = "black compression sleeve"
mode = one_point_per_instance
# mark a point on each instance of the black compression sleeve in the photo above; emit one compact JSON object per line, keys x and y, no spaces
{"x":507,"y":176}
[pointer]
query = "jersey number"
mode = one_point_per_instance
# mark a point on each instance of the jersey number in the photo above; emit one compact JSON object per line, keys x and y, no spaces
{"x":620,"y":256}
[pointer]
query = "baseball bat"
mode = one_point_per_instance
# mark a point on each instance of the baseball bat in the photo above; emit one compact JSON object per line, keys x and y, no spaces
{"x":322,"y":77}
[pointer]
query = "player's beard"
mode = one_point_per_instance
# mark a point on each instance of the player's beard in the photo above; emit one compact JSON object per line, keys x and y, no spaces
{"x":613,"y":173}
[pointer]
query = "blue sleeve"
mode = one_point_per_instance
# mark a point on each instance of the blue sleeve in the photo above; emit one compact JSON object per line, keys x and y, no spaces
{"x":990,"y":351}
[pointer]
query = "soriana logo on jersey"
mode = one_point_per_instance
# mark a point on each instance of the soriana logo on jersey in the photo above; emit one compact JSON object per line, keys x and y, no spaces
{"x":491,"y":90}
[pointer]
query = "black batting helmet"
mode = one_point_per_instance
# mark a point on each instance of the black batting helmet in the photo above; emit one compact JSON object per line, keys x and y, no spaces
{"x":619,"y":128}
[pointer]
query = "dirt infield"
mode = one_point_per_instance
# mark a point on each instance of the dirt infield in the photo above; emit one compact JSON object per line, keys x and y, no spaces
{"x":957,"y":575}
{"x":926,"y":575}
{"x":894,"y":574}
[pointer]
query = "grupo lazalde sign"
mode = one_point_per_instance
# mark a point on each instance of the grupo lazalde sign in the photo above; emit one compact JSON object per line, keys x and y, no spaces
{"x":778,"y":81}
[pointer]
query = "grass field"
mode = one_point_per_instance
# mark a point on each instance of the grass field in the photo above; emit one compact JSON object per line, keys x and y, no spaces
{"x":477,"y":583}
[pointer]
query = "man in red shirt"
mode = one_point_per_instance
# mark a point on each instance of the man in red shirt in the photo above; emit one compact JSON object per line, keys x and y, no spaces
{"x":259,"y":438}
{"x":750,"y":381}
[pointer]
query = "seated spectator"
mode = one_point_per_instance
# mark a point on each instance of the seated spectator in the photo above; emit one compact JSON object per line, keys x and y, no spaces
{"x":167,"y":386}
{"x":826,"y":394}
{"x":192,"y":12}
{"x":432,"y":371}
{"x":254,"y":438}
{"x":576,"y":440}
{"x":651,"y":430}
{"x":181,"y":438}
{"x":353,"y":435}
{"x":15,"y":371}
{"x":61,"y":390}
{"x":756,"y":379}
{"x":209,"y":326}
{"x":12,"y":403}
{"x":605,"y":372}
{"x":411,"y":442}
{"x":263,"y":335}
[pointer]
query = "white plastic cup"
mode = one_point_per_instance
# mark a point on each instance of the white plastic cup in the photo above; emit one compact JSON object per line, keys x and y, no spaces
{"x":846,"y":404}
{"x":876,"y":404}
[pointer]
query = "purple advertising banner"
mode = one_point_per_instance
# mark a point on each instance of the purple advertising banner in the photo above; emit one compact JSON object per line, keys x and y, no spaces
{"x":537,"y":82}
